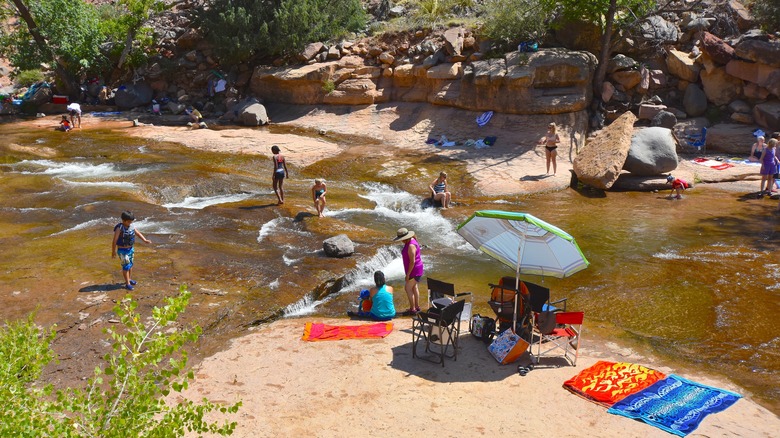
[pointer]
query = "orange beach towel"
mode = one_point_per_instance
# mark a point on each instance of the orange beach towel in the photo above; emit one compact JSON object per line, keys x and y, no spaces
{"x":315,"y":331}
{"x":609,"y":382}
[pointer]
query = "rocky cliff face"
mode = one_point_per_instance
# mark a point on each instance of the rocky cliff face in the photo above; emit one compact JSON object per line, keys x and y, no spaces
{"x":544,"y":82}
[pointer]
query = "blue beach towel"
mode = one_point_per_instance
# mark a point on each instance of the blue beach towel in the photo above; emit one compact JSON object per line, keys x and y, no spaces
{"x":674,"y":404}
{"x":484,"y":118}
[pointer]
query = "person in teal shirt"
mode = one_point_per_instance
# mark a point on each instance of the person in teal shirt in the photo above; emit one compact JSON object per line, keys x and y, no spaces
{"x":382,"y":308}
{"x":381,"y":299}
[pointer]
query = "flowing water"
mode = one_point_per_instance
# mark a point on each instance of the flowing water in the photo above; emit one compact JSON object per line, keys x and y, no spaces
{"x":696,"y":281}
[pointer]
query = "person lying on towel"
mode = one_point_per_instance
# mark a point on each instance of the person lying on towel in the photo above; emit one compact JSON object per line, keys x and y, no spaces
{"x":380,"y":297}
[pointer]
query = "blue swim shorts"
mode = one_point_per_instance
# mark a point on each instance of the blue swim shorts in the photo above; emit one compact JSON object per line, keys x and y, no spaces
{"x":125,"y":257}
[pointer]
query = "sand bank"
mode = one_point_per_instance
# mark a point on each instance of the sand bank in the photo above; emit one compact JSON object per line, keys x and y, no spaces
{"x":373,"y":387}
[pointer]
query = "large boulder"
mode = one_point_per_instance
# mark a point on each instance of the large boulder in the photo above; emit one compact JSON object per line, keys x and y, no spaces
{"x":599,"y":163}
{"x":730,"y":138}
{"x":694,"y":100}
{"x":132,"y":95}
{"x":767,"y":114}
{"x":253,"y":115}
{"x":338,"y":246}
{"x":767,"y":52}
{"x":718,"y":50}
{"x":653,"y":151}
{"x":682,"y":65}
{"x":664,"y":119}
{"x":720,"y":87}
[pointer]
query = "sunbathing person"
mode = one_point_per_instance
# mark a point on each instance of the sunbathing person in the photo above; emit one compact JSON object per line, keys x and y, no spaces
{"x":381,"y":296}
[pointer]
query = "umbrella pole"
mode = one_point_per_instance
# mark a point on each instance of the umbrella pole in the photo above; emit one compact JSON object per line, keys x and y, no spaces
{"x":520,"y":249}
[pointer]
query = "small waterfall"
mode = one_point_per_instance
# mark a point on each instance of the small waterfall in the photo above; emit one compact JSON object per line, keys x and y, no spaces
{"x":361,"y":277}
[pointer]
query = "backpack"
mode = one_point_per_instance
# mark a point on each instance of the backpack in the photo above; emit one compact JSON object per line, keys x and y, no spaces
{"x":482,"y":327}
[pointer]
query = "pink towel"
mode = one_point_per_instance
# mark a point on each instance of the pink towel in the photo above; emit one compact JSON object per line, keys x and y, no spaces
{"x":323,"y":332}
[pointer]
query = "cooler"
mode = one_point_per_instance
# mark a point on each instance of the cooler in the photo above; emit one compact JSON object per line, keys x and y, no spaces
{"x":59,"y":99}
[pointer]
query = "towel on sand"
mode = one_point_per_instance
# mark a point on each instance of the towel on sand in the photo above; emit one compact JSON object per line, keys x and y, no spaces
{"x":484,"y":118}
{"x":607,"y":382}
{"x":675,"y":404}
{"x":323,"y":332}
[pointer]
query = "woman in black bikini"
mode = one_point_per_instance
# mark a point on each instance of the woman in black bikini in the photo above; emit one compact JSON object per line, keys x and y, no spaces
{"x":280,"y":173}
{"x":550,"y":142}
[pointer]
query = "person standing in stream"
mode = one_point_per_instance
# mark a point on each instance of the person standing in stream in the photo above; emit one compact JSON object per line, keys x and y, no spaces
{"x":280,"y":173}
{"x":413,"y":268}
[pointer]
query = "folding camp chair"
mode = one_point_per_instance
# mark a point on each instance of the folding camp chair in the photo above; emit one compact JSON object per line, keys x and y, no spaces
{"x":440,"y":331}
{"x":697,"y":142}
{"x":442,"y":294}
{"x":563,"y":340}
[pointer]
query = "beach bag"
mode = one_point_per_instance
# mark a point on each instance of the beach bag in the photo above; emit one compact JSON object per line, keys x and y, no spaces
{"x":482,"y":327}
{"x":508,"y":347}
{"x":545,"y":321}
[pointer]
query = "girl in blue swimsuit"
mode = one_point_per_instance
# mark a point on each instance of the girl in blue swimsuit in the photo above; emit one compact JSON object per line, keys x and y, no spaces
{"x":318,"y":191}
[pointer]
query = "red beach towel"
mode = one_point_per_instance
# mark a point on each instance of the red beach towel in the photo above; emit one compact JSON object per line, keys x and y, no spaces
{"x":609,"y":382}
{"x":315,"y":331}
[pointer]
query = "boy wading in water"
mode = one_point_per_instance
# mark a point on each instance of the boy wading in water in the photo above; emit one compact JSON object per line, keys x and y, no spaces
{"x":122,"y":245}
{"x":280,"y":173}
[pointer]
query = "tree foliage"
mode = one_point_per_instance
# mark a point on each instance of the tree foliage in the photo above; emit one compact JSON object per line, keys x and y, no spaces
{"x":125,"y":397}
{"x":767,"y":13}
{"x":508,"y":22}
{"x":244,"y":29}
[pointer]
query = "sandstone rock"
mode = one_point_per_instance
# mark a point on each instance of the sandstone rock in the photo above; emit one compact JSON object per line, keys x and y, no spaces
{"x":578,"y":34}
{"x":644,"y":83}
{"x":717,"y":49}
{"x":740,"y":106}
{"x":338,"y":246}
{"x":653,"y":151}
{"x":720,"y":87}
{"x":188,"y":39}
{"x":745,"y":118}
{"x":627,"y":78}
{"x":773,"y":83}
{"x":648,"y":111}
{"x":664,"y":119}
{"x":766,"y":52}
{"x":755,"y":72}
{"x":253,"y":115}
{"x":601,"y":159}
{"x":657,"y":79}
{"x":680,"y":64}
{"x":744,"y":19}
{"x":133,"y":95}
{"x":730,"y":138}
{"x":386,"y":58}
{"x":334,"y":53}
{"x":620,"y":62}
{"x":176,"y":108}
{"x":397,"y":11}
{"x":445,"y":71}
{"x":453,"y":39}
{"x":755,"y":92}
{"x":767,"y":115}
{"x":310,"y":51}
{"x":489,"y":71}
{"x":694,"y":101}
{"x":607,"y":91}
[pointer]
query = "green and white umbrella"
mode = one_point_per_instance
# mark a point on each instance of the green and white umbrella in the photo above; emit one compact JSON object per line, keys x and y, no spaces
{"x":523,"y":242}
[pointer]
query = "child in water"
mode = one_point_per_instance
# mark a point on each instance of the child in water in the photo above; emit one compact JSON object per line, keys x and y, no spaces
{"x":678,"y":186}
{"x":64,"y":124}
{"x":318,"y":191}
{"x":122,"y":245}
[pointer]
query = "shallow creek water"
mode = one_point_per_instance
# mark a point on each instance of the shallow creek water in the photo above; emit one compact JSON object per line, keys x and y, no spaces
{"x":696,"y":282}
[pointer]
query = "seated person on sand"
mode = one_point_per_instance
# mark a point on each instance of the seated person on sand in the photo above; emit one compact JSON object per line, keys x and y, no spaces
{"x":440,"y":191}
{"x":195,"y":116}
{"x":318,"y":191}
{"x":64,"y":124}
{"x":755,"y":151}
{"x":381,"y":298}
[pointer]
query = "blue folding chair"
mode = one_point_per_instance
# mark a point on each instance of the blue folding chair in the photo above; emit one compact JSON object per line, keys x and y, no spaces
{"x":697,"y":142}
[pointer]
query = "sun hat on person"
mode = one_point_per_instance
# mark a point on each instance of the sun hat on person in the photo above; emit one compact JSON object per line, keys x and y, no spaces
{"x":403,"y":234}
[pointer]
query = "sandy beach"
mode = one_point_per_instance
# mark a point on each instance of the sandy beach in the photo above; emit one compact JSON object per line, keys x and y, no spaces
{"x":374,"y":388}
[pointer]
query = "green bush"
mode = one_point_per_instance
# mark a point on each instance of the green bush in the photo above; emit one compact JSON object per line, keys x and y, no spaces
{"x":328,"y":87}
{"x":25,"y":78}
{"x":127,"y":396}
{"x":509,"y":22}
{"x":767,"y":14}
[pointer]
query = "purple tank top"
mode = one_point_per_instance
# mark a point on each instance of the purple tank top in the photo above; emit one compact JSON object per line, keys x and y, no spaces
{"x":417,"y":270}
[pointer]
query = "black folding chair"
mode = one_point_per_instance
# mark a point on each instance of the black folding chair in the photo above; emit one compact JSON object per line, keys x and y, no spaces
{"x":439,"y":330}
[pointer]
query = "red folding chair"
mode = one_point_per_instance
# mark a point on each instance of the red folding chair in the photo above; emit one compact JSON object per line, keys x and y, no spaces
{"x":564,"y":341}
